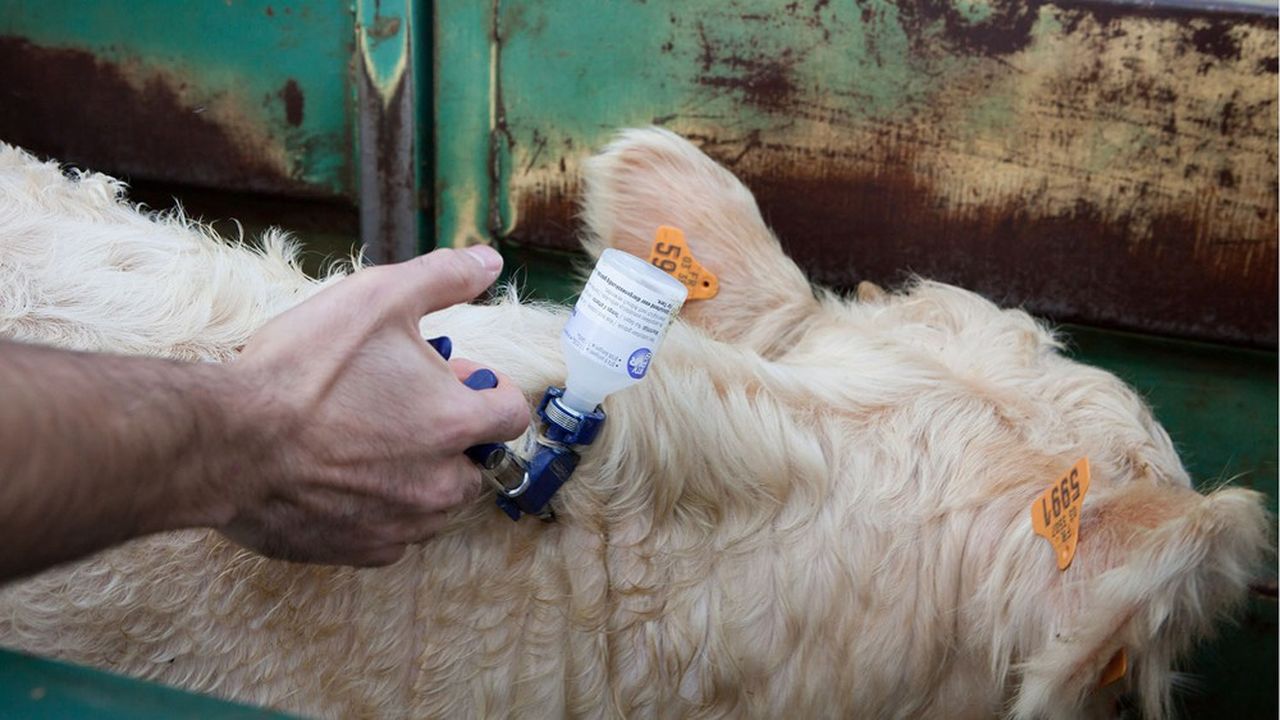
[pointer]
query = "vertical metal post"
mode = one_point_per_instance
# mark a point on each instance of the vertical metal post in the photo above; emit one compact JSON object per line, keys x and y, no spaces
{"x":464,"y":118}
{"x":385,"y":98}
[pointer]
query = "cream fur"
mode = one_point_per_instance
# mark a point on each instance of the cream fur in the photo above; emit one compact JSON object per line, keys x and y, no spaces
{"x":813,"y":507}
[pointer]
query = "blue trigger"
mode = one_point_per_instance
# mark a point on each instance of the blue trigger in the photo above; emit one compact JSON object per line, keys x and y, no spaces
{"x":527,"y":486}
{"x":443,"y":345}
{"x":482,"y":379}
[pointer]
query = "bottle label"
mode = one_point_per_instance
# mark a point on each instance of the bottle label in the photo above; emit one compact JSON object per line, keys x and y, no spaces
{"x":617,"y":323}
{"x":638,"y":363}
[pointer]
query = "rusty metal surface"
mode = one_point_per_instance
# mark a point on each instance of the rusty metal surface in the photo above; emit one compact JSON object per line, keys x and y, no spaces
{"x":244,"y":95}
{"x":107,"y":116}
{"x":385,"y":76}
{"x":327,"y":230}
{"x":1100,"y":163}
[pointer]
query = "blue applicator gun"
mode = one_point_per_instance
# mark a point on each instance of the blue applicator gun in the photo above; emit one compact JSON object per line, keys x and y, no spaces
{"x":617,"y":325}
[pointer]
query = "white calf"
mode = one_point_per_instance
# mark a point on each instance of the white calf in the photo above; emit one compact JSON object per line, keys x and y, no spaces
{"x":813,"y":507}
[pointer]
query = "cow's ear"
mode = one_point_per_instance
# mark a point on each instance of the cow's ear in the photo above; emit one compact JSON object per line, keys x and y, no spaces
{"x":1156,"y":567}
{"x":649,"y":178}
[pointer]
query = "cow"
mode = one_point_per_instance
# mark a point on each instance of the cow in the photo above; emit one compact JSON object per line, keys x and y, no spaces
{"x":814,"y":505}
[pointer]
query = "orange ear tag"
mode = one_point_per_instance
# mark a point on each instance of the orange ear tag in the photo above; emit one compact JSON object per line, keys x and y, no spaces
{"x":1116,"y":667}
{"x":1055,"y":515}
{"x":671,"y":254}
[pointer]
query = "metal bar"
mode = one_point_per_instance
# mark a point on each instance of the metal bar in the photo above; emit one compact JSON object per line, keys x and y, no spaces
{"x":466,"y":55}
{"x":385,"y":98}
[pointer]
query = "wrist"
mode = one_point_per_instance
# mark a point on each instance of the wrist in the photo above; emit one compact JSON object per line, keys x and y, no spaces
{"x":224,"y":450}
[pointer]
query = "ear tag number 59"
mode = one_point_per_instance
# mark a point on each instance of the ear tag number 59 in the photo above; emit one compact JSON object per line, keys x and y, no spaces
{"x":670,"y":253}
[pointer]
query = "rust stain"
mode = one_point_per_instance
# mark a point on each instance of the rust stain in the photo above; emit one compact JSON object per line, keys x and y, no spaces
{"x":1217,"y":39}
{"x":1006,"y":30}
{"x":763,"y":83}
{"x":384,"y":26}
{"x":846,"y":226}
{"x":66,"y":103}
{"x":743,"y":68}
{"x":388,"y":204}
{"x":1127,"y":177}
{"x":293,"y":100}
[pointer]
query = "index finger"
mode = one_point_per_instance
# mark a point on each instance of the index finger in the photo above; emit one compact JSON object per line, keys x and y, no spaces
{"x":446,"y":277}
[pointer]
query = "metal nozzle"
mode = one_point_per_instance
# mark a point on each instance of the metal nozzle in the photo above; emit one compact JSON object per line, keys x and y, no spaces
{"x":504,"y":470}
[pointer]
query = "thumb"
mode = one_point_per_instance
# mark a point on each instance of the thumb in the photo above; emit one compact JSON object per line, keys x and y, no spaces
{"x":445,"y":277}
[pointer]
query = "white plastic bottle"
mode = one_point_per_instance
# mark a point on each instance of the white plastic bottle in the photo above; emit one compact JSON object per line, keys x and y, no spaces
{"x":616,"y":327}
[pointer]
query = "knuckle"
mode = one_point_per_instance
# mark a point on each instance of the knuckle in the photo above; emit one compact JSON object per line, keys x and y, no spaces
{"x":403,"y":532}
{"x":426,"y":527}
{"x":501,"y":413}
{"x":383,"y":534}
{"x":372,"y":286}
{"x":465,"y":427}
{"x":450,"y":487}
{"x":457,"y":489}
{"x":453,"y":495}
{"x":512,"y":412}
{"x":386,"y":555}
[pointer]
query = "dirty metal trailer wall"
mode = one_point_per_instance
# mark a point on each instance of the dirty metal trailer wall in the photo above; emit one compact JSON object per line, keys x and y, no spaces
{"x":1106,"y":163}
{"x":302,"y":99}
{"x":250,"y":95}
{"x":1102,"y":163}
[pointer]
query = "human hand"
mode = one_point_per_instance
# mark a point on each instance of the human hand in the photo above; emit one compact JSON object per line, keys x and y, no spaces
{"x":363,"y":423}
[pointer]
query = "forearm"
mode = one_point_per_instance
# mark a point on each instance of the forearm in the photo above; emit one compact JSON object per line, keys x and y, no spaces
{"x":336,"y":436}
{"x":97,"y":449}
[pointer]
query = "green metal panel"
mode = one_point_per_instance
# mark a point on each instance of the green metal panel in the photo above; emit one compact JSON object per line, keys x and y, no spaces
{"x":238,"y":94}
{"x":32,"y":688}
{"x":306,"y":99}
{"x":465,"y":118}
{"x":970,"y":142}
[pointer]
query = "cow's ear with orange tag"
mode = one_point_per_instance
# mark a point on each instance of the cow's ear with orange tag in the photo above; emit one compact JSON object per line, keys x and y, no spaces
{"x":1055,"y":514}
{"x":671,"y":254}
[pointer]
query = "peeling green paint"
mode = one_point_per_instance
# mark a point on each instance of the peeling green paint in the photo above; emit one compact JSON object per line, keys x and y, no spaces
{"x":975,"y":11}
{"x":464,"y":117}
{"x":384,"y":43}
{"x":1047,"y":22}
{"x":1140,"y":133}
{"x":238,"y":55}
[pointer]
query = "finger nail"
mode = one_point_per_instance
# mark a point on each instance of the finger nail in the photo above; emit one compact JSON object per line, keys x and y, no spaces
{"x":488,"y":258}
{"x":443,"y":345}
